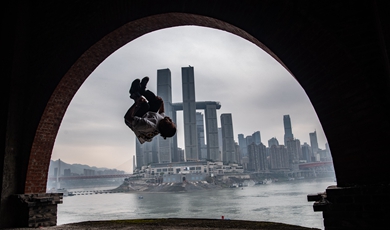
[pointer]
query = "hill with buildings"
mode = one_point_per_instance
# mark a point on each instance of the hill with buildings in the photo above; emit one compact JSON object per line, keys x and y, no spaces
{"x":78,"y":169}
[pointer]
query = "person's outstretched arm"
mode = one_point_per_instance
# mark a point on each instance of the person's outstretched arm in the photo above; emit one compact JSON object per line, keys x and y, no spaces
{"x":134,"y":108}
{"x":161,"y":109}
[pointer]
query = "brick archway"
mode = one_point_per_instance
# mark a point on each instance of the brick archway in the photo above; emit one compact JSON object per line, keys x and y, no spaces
{"x":56,"y":107}
{"x":338,"y":52}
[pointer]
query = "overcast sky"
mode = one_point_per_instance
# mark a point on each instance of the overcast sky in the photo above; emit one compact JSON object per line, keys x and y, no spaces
{"x":248,"y":83}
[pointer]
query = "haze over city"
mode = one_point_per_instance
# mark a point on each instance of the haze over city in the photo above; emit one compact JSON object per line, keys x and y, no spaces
{"x":248,"y":83}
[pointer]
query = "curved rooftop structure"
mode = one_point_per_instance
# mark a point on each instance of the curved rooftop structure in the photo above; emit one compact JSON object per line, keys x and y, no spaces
{"x":199,"y":105}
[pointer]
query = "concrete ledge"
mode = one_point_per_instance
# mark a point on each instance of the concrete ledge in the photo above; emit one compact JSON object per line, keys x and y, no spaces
{"x":178,"y":223}
{"x":39,"y":210}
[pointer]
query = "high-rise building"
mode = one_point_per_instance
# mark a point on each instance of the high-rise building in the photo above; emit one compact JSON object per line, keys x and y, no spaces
{"x":164,"y":90}
{"x":257,"y":158}
{"x":313,"y":142}
{"x":67,"y":172}
{"x":242,"y":144}
{"x":228,"y":149}
{"x":294,"y":150}
{"x":220,"y":139}
{"x":139,"y":155}
{"x":150,"y":152}
{"x":288,"y":135}
{"x":256,"y":137}
{"x":249,"y":140}
{"x":279,"y":157}
{"x":202,"y":148}
{"x":212,"y":132}
{"x":306,"y":152}
{"x":238,"y":153}
{"x":273,"y":141}
{"x":189,"y":114}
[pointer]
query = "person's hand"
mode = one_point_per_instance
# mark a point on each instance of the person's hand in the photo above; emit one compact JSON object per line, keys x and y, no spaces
{"x":159,"y":98}
{"x":140,"y":100}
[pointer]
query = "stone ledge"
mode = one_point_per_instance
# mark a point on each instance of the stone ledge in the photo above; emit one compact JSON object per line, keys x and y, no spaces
{"x":39,"y":210}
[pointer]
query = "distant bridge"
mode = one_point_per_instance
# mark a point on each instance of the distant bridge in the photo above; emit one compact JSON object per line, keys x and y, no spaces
{"x":62,"y":178}
{"x":315,"y":164}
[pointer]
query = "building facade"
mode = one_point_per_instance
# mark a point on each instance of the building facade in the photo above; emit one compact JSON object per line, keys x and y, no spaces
{"x":228,"y":148}
{"x":288,"y":135}
{"x":189,"y":114}
{"x":257,"y":158}
{"x":212,"y":133}
{"x":294,"y":150}
{"x":202,"y":148}
{"x":256,"y":137}
{"x":314,"y":142}
{"x":273,"y":141}
{"x":164,"y":90}
{"x":279,"y":158}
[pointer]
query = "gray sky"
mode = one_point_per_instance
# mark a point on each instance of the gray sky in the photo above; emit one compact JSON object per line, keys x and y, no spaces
{"x":250,"y":85}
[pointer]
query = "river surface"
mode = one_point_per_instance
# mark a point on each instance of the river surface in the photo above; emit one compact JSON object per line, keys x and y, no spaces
{"x":283,"y":202}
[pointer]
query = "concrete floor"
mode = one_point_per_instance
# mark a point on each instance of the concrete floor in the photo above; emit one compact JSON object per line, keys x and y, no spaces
{"x":176,"y":224}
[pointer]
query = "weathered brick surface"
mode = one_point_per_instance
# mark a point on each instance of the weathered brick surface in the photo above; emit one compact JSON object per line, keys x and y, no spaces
{"x":40,"y":209}
{"x":355,"y":207}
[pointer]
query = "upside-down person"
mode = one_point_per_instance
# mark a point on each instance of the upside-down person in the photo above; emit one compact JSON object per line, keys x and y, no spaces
{"x":146,"y":116}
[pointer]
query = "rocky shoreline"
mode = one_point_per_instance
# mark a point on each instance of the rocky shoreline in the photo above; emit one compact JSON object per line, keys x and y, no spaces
{"x":141,"y":186}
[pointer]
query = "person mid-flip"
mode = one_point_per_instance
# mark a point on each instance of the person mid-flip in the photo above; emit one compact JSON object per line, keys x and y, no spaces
{"x":146,"y":116}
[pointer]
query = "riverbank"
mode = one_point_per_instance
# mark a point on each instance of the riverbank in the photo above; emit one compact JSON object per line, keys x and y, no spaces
{"x":175,"y":224}
{"x":231,"y":182}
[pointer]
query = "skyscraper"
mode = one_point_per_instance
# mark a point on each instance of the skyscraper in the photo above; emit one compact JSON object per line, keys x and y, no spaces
{"x":228,"y":149}
{"x":273,"y":141}
{"x":306,"y":152}
{"x":189,"y":114}
{"x":279,"y":157}
{"x":242,"y":145}
{"x":220,"y":139}
{"x":294,"y":150}
{"x":164,"y":90}
{"x":212,"y":132}
{"x":257,"y":157}
{"x":249,"y":140}
{"x":202,"y":148}
{"x":256,"y":137}
{"x":313,"y":142}
{"x":288,"y":135}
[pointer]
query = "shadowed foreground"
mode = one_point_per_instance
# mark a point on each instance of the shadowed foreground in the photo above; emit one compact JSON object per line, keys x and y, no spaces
{"x":173,"y":223}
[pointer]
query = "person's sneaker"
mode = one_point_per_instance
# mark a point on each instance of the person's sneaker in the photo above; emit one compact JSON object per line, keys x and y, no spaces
{"x":135,"y":87}
{"x":143,"y":83}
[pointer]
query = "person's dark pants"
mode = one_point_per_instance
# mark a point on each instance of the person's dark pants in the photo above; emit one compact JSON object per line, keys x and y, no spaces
{"x":152,"y":105}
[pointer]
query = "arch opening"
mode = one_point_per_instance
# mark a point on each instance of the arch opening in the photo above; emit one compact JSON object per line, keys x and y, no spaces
{"x":48,"y":127}
{"x":80,"y":81}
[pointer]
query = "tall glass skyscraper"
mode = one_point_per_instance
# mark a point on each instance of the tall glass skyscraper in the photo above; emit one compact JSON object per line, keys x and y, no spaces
{"x":189,"y":114}
{"x":242,"y":144}
{"x":202,"y":148}
{"x":228,"y":149}
{"x":288,"y":135}
{"x":256,"y":137}
{"x":313,"y":142}
{"x":164,"y":90}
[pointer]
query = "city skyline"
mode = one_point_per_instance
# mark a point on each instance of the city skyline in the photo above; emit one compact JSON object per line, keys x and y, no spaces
{"x":93,"y":132}
{"x":221,"y":144}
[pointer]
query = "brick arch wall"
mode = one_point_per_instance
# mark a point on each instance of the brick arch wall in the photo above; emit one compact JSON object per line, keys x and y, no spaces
{"x":50,"y":122}
{"x":339,"y":59}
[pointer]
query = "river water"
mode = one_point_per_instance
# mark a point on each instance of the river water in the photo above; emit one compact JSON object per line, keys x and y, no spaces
{"x":283,"y":202}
